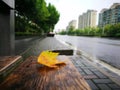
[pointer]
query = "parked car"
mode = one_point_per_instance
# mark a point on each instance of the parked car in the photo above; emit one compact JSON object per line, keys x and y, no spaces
{"x":50,"y":34}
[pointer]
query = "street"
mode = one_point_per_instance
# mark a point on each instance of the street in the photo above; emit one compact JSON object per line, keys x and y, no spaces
{"x":104,"y":49}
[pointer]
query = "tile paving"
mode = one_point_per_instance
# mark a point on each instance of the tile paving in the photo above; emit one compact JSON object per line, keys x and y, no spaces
{"x":96,"y":79}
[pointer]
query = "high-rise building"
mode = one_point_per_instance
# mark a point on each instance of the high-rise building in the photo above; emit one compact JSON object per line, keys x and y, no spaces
{"x":100,"y":22}
{"x":87,"y":19}
{"x":110,"y":16}
{"x":80,"y":22}
{"x":72,"y":24}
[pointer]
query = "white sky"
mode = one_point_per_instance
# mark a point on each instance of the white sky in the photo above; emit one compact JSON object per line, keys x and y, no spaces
{"x":71,"y":9}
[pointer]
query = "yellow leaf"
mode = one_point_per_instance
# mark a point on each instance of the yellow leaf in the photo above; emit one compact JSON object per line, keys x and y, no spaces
{"x":48,"y":58}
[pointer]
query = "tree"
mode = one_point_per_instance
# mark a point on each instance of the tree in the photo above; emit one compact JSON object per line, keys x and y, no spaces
{"x":26,"y":8}
{"x":42,"y":12}
{"x":25,"y":12}
{"x":53,"y":18}
{"x":35,"y":11}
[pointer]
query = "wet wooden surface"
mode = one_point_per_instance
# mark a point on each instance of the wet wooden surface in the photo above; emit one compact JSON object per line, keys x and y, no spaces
{"x":6,"y":61}
{"x":32,"y":76}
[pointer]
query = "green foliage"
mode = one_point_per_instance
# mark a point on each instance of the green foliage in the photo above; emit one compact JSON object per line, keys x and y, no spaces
{"x":106,"y":31}
{"x":35,"y":16}
{"x":18,"y":25}
{"x":112,"y":30}
{"x":63,"y":32}
{"x":26,"y":7}
{"x":42,"y":12}
{"x":53,"y":18}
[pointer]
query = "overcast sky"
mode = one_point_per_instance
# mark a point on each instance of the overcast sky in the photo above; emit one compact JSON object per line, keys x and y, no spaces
{"x":71,"y":9}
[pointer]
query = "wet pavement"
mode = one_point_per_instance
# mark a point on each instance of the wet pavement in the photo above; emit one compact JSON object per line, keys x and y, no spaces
{"x":94,"y":76}
{"x":22,"y":44}
{"x":98,"y":77}
{"x":104,"y":49}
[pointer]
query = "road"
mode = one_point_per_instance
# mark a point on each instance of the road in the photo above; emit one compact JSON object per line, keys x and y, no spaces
{"x":105,"y":49}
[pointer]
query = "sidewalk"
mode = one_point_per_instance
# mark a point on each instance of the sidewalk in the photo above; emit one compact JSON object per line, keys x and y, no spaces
{"x":49,"y":43}
{"x":98,"y":77}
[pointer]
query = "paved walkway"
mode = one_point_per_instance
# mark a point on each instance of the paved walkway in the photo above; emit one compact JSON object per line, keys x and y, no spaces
{"x":98,"y":77}
{"x":22,"y":43}
{"x":94,"y":76}
{"x":49,"y":43}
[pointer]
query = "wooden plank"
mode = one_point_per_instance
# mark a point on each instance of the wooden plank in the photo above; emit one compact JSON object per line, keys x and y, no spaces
{"x":6,"y":61}
{"x":32,"y":76}
{"x":7,"y":65}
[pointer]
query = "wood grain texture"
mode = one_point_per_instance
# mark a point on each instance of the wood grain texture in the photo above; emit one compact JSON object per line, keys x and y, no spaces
{"x":6,"y":60}
{"x":32,"y":76}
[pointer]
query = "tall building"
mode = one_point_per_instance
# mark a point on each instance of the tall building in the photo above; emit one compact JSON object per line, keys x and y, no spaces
{"x":72,"y":24}
{"x":87,"y":19}
{"x":110,"y":16}
{"x":80,"y":22}
{"x":100,"y":22}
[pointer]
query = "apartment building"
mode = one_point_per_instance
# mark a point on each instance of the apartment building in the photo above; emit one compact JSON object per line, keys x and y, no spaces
{"x":80,"y":22}
{"x":109,"y":16}
{"x":72,"y":24}
{"x":87,"y":19}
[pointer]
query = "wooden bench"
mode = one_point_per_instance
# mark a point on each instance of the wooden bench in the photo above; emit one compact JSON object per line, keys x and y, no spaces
{"x":32,"y":76}
{"x":8,"y":64}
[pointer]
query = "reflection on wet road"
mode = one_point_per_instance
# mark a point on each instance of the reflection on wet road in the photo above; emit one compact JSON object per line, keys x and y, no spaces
{"x":104,"y":49}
